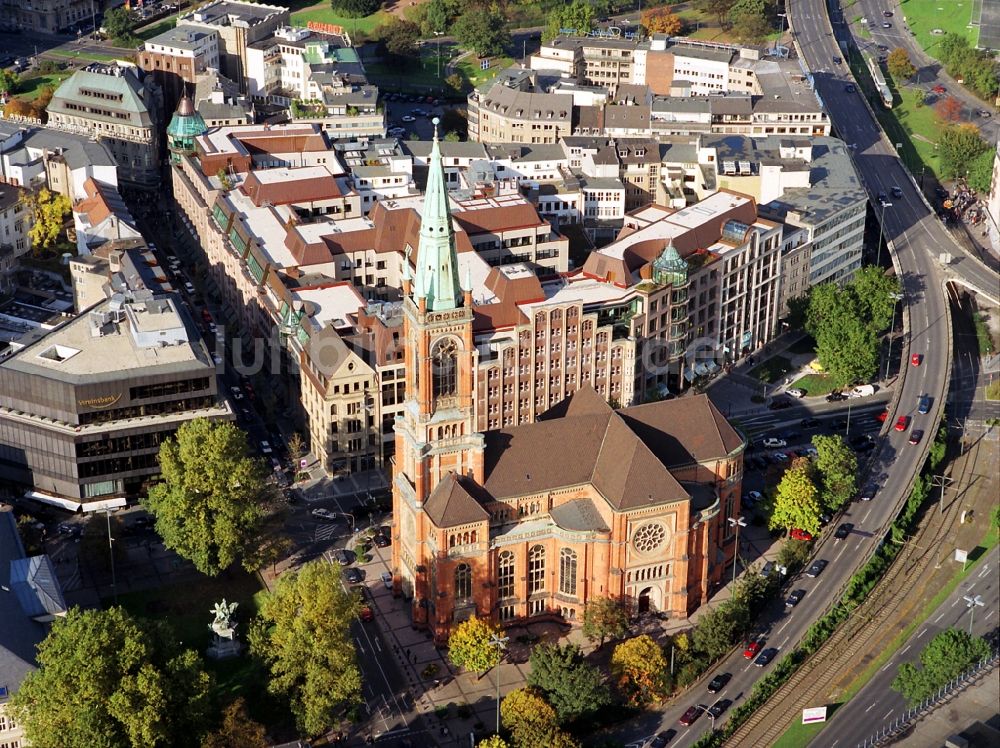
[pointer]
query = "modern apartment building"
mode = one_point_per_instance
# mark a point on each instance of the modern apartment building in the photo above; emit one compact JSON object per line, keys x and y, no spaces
{"x":512,"y":109}
{"x":177,"y":57}
{"x":120,"y":108}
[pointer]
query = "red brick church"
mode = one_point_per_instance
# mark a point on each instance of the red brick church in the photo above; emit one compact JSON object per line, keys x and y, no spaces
{"x":537,"y":519}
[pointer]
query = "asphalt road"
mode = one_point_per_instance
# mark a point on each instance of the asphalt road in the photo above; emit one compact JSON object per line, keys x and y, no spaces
{"x":877,"y":705}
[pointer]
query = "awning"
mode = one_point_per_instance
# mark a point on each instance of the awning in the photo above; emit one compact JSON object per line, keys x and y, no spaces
{"x":45,"y":498}
{"x":700,"y":369}
{"x":97,"y":506}
{"x":689,"y":374}
{"x":712,"y":366}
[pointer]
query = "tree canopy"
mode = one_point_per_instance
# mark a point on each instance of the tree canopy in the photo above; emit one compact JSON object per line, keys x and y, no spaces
{"x":470,"y":647}
{"x":8,"y":80}
{"x":577,"y":15}
{"x":118,"y":23}
{"x":945,"y":657}
{"x":661,"y":21}
{"x":303,"y":636}
{"x":640,"y":670}
{"x":528,"y":717}
{"x":106,"y":680}
{"x":749,"y":20}
{"x":981,"y":171}
{"x":796,"y":499}
{"x":604,"y":618}
{"x":211,"y":501}
{"x":572,"y":686}
{"x":48,"y":210}
{"x":400,"y":37}
{"x":959,"y":146}
{"x":837,"y":469}
{"x":974,"y":66}
{"x":237,"y":730}
{"x":355,"y":8}
{"x":899,"y":64}
{"x":484,"y":31}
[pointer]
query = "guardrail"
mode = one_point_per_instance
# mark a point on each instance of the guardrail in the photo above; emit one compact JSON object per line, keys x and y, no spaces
{"x":888,"y":735}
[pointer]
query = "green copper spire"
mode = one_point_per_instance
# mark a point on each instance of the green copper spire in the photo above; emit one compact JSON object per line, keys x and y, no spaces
{"x":437,"y":260}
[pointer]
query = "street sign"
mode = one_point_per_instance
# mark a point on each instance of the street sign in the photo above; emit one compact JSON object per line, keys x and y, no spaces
{"x":961,"y":556}
{"x":303,"y":463}
{"x":814,"y":714}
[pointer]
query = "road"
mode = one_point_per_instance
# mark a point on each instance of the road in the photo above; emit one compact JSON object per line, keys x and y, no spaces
{"x":876,"y":704}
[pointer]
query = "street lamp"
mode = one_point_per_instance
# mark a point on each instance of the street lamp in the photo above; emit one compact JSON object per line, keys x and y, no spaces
{"x":111,"y":552}
{"x":972,"y":603}
{"x":896,"y":298}
{"x":737,"y":522}
{"x":708,"y":712}
{"x":500,"y":642}
{"x":881,"y":232}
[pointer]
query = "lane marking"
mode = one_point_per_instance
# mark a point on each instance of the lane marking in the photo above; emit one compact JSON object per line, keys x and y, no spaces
{"x":903,"y":652}
{"x":939,"y":618}
{"x":886,"y":715}
{"x":874,"y":704}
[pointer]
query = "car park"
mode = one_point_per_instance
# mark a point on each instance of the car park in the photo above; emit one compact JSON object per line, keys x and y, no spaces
{"x":843,"y":531}
{"x":794,"y":598}
{"x":353,"y":576}
{"x":902,"y":422}
{"x":752,"y":648}
{"x":719,"y":707}
{"x":765,"y":657}
{"x":719,"y":682}
{"x":817,"y":568}
{"x":916,"y":435}
{"x":688,"y":718}
{"x":795,"y":392}
{"x":797,"y":534}
{"x":773,"y":442}
{"x":387,"y":580}
{"x":924,"y":405}
{"x":916,"y":359}
{"x":324,"y":514}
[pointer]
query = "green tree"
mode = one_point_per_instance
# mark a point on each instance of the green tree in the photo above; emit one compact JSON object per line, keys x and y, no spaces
{"x":718,"y":8}
{"x":640,"y":670}
{"x":749,"y":21}
{"x":793,"y":555}
{"x":528,"y":717}
{"x":296,"y":449}
{"x":837,"y":469}
{"x":437,"y":17}
{"x":237,"y":730}
{"x":846,"y":344}
{"x":873,"y":291}
{"x":604,"y":618}
{"x":577,"y":15}
{"x":981,"y":171}
{"x":49,"y":211}
{"x":400,"y":37}
{"x":716,"y":632}
{"x":8,"y":80}
{"x":210,"y":502}
{"x":470,"y":647}
{"x":945,"y":657}
{"x":798,"y":308}
{"x":118,"y":24}
{"x":899,"y":64}
{"x":796,"y":500}
{"x":455,"y":82}
{"x":355,"y":8}
{"x":571,"y":685}
{"x":303,"y":636}
{"x":485,"y":32}
{"x":959,"y":146}
{"x":104,"y":679}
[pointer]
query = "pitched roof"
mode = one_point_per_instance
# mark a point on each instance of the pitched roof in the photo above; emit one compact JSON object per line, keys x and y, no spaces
{"x":19,"y":634}
{"x":579,"y":515}
{"x":37,"y":587}
{"x":455,"y":501}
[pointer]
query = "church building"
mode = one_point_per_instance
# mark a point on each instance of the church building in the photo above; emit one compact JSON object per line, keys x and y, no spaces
{"x":537,"y":519}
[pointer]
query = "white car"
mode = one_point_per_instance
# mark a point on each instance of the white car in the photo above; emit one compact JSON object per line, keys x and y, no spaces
{"x":795,"y":392}
{"x":774,"y":443}
{"x":265,"y":447}
{"x":780,"y":457}
{"x":409,"y":118}
{"x":189,"y":288}
{"x":324,"y":514}
{"x":387,"y":579}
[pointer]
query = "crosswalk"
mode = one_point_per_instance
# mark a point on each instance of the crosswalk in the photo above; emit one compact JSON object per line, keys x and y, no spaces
{"x":329,"y":532}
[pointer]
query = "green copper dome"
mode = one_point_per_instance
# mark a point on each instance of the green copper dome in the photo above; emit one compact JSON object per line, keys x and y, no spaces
{"x":669,"y":268}
{"x":186,"y":122}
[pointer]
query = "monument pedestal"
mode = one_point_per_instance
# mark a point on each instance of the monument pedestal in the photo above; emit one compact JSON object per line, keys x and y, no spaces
{"x":224,"y":649}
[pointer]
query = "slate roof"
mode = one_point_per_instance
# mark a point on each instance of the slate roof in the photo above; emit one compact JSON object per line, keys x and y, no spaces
{"x":456,"y":501}
{"x":578,"y":516}
{"x":19,"y":635}
{"x":34,"y":582}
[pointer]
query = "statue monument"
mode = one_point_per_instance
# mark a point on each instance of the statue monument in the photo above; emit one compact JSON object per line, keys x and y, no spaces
{"x":224,"y":644}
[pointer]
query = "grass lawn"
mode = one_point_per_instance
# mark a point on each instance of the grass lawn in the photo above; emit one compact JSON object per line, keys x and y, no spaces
{"x":800,"y":735}
{"x":771,"y":370}
{"x":952,"y":16}
{"x":323,"y":13}
{"x":468,"y":67}
{"x":31,"y":88}
{"x":81,"y":55}
{"x":993,"y":390}
{"x":158,"y":27}
{"x":816,"y":384}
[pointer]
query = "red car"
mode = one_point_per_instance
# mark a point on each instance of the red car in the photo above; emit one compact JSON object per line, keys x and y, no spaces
{"x":366,"y":614}
{"x":939,"y":89}
{"x":883,"y":415}
{"x":753,"y":648}
{"x":690,"y":715}
{"x":902,"y":422}
{"x":916,"y":359}
{"x":797,"y":534}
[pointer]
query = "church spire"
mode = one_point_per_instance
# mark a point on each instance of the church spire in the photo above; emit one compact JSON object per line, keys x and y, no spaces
{"x":437,"y":260}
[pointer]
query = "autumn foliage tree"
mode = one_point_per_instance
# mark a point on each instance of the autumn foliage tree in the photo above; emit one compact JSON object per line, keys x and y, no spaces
{"x":949,"y":109}
{"x":640,"y":670}
{"x":471,"y":647}
{"x":899,"y":64}
{"x":661,"y":21}
{"x":528,"y":717}
{"x":49,"y":210}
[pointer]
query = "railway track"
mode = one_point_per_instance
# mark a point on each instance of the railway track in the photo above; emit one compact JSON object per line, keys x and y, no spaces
{"x":852,"y":641}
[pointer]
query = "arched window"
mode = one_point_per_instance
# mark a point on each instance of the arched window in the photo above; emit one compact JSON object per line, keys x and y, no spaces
{"x":444,"y":366}
{"x":505,"y":574}
{"x":463,"y":582}
{"x":567,"y":571}
{"x":536,"y":569}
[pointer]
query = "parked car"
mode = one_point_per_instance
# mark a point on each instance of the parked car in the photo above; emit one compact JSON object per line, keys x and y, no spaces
{"x":381,"y":541}
{"x":887,"y":13}
{"x":773,"y":442}
{"x":849,"y":88}
{"x":189,"y":288}
{"x":324,"y":514}
{"x":366,"y":614}
{"x":765,"y":657}
{"x":752,"y":648}
{"x":795,"y":392}
{"x":780,"y":456}
{"x":797,"y":534}
{"x":837,"y":60}
{"x":916,"y":359}
{"x":409,"y":118}
{"x":902,"y":422}
{"x":342,"y":557}
{"x":835,"y":397}
{"x":387,"y":579}
{"x":843,"y":531}
{"x":916,"y":435}
{"x":353,"y":576}
{"x":809,"y":423}
{"x":687,"y":719}
{"x":237,"y":393}
{"x":719,"y":682}
{"x":719,"y":707}
{"x":794,"y":598}
{"x":886,"y":25}
{"x":882,"y":416}
{"x":817,"y":568}
{"x":265,"y":447}
{"x":780,"y":404}
{"x":752,"y":497}
{"x":924,"y":405}
{"x":939,"y":89}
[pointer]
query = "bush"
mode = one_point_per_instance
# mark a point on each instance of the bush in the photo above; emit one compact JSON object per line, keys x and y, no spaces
{"x":355,"y":8}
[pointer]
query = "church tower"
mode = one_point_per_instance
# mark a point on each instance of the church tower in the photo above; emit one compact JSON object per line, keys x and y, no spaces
{"x":436,"y":443}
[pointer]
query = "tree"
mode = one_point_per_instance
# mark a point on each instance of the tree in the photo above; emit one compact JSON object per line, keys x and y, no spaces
{"x":296,"y":448}
{"x":470,"y":646}
{"x":975,"y":67}
{"x":846,"y":343}
{"x":105,"y":679}
{"x":577,"y":15}
{"x":718,"y":8}
{"x":20,"y":108}
{"x":981,"y":171}
{"x":604,"y":618}
{"x":661,"y":21}
{"x":400,"y":37}
{"x":945,"y":657}
{"x":793,"y":555}
{"x":919,"y":97}
{"x":210,"y":502}
{"x":485,"y":32}
{"x":640,"y":670}
{"x":528,"y":717}
{"x":355,"y":8}
{"x":8,"y":81}
{"x":437,"y":17}
{"x":493,"y":741}
{"x":455,"y":82}
{"x":949,"y":109}
{"x":49,"y":210}
{"x":899,"y":64}
{"x":798,"y":308}
{"x":119,"y":24}
{"x":452,"y":137}
{"x":237,"y":730}
{"x":453,"y":120}
{"x":837,"y":469}
{"x":749,"y":20}
{"x":873,"y":292}
{"x":796,"y":500}
{"x":572,"y":686}
{"x":716,"y":632}
{"x":303,"y":636}
{"x":959,"y":146}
